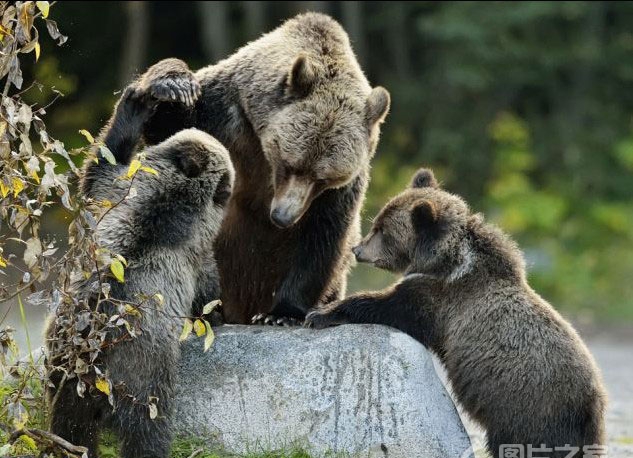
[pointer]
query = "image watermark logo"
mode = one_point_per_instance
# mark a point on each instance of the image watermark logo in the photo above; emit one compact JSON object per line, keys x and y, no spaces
{"x":542,"y":451}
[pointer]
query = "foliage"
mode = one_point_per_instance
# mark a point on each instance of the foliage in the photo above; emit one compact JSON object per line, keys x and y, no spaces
{"x":73,"y":282}
{"x":525,"y":109}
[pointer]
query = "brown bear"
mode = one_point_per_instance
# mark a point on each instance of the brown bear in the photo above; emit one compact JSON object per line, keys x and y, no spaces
{"x":301,"y":123}
{"x":514,"y":363}
{"x":165,"y":233}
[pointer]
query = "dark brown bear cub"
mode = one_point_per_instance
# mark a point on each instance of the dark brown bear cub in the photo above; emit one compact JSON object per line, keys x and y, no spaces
{"x":514,"y":363}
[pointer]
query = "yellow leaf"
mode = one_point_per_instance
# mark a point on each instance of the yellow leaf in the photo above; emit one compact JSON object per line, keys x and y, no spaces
{"x":159,"y":298}
{"x":117,"y":270}
{"x":43,"y":7}
{"x":18,"y":186}
{"x":37,"y":52}
{"x":121,"y":258}
{"x":149,"y":170}
{"x":105,"y":203}
{"x":134,"y":166}
{"x":208,"y":340}
{"x":35,"y":177}
{"x":3,"y":262}
{"x":88,"y":136}
{"x":3,"y":32}
{"x":198,"y":326}
{"x":132,"y":310}
{"x":103,"y":385}
{"x":186,"y":329}
{"x":4,"y":189}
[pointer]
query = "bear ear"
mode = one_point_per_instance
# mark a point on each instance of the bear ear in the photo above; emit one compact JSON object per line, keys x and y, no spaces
{"x":377,"y":105}
{"x":424,"y":214}
{"x":424,"y":178}
{"x":302,"y":76}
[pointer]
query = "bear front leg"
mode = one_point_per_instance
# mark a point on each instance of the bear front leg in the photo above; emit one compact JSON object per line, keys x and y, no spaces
{"x":318,"y":260}
{"x":177,"y":89}
{"x":360,"y":308}
{"x":402,"y":306}
{"x":75,"y":419}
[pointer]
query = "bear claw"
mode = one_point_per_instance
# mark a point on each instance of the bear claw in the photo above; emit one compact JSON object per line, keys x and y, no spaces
{"x":181,"y":88}
{"x":272,"y":320}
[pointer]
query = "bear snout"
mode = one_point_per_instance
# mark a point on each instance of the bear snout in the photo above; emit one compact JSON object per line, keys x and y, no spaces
{"x":357,"y":250}
{"x":292,"y":198}
{"x":362,"y":255}
{"x":282,"y":217}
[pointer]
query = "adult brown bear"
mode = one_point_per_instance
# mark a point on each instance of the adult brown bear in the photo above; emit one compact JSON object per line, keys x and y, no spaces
{"x":301,"y":123}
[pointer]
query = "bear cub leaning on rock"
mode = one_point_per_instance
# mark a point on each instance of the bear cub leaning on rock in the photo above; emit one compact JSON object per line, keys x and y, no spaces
{"x":514,"y":363}
{"x":165,"y":232}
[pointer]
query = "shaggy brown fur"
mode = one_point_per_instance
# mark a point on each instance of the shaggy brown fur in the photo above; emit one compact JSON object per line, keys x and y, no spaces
{"x":301,"y":123}
{"x":514,"y":363}
{"x":165,"y":233}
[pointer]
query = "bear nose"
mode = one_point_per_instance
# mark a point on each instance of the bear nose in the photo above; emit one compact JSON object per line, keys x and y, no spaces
{"x":357,"y":250}
{"x":281,"y":217}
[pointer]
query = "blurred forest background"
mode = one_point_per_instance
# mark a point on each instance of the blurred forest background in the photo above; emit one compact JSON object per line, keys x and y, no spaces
{"x":523,"y":108}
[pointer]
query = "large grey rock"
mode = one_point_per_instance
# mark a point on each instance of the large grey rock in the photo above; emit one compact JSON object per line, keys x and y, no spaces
{"x":361,"y":390}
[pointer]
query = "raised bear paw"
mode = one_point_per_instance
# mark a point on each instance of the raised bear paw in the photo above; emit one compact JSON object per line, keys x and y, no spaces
{"x":181,"y":88}
{"x":170,"y":80}
{"x":272,"y":320}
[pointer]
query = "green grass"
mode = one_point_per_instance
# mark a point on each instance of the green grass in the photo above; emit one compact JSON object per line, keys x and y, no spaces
{"x":184,"y":448}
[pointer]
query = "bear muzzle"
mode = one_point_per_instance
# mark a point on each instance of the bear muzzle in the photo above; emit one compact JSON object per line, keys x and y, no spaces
{"x":291,"y":201}
{"x":369,"y":249}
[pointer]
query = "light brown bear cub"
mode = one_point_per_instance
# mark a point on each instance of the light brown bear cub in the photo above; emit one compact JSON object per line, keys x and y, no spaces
{"x":514,"y":363}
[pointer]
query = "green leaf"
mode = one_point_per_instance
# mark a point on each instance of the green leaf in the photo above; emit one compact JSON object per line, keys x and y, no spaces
{"x":116,"y":267}
{"x":88,"y":136}
{"x":107,"y":154}
{"x":186,"y":330}
{"x":208,"y":340}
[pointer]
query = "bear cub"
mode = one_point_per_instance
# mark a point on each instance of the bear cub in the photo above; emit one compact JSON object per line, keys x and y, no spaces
{"x":514,"y":363}
{"x":164,"y":230}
